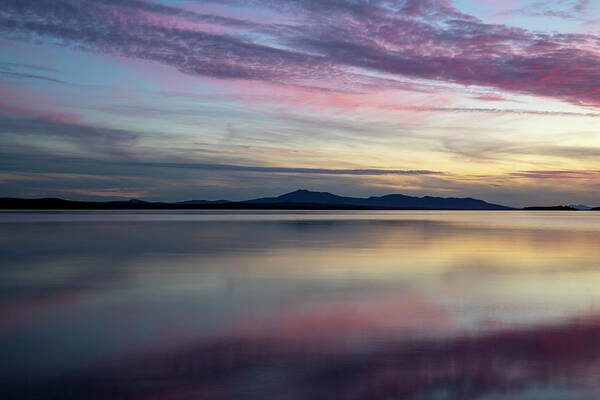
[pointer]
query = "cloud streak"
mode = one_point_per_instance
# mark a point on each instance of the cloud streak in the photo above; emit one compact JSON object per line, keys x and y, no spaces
{"x":559,"y":174}
{"x":92,"y":139}
{"x":287,"y":170}
{"x":498,"y":111}
{"x":573,"y":9}
{"x":25,"y":71}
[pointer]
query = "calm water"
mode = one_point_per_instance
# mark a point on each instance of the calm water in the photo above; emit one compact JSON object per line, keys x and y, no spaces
{"x":300,"y":305}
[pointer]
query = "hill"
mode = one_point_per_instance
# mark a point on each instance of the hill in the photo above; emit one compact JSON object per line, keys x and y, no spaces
{"x":390,"y":201}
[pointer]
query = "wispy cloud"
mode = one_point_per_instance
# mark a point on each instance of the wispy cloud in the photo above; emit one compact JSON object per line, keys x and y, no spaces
{"x":498,"y":111}
{"x":26,"y":71}
{"x":569,"y":9}
{"x":559,"y":174}
{"x":497,"y":149}
{"x":22,"y":75}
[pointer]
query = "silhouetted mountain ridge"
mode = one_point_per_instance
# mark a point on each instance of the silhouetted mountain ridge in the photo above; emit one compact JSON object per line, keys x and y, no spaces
{"x":306,"y":197}
{"x":393,"y":201}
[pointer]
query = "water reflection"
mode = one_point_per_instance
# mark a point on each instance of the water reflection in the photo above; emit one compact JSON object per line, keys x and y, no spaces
{"x":301,"y":306}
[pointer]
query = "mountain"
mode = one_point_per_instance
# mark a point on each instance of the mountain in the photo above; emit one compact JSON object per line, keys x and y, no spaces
{"x":302,"y":196}
{"x":137,"y":201}
{"x":390,"y":201}
{"x":300,"y":199}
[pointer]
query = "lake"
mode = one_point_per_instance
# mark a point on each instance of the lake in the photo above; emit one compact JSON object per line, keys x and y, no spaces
{"x":300,"y":305}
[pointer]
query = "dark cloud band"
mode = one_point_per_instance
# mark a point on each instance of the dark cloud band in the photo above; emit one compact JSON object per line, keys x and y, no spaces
{"x":286,"y":170}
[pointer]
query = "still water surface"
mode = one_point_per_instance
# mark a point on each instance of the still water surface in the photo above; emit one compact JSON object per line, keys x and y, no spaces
{"x":300,"y":305}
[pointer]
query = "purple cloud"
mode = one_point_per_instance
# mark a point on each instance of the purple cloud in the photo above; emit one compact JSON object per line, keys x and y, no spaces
{"x":339,"y":45}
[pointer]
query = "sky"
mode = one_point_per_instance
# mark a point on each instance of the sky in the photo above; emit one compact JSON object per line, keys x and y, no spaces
{"x":236,"y":99}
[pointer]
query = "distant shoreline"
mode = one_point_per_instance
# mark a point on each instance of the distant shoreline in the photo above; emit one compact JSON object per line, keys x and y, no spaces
{"x":300,"y":199}
{"x":552,"y":208}
{"x":60,"y":204}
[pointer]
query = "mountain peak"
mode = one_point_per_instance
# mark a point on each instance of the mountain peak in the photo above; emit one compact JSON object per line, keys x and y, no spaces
{"x":390,"y":201}
{"x":304,"y":191}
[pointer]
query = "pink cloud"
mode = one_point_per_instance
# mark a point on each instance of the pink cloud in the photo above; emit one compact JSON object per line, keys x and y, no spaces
{"x":490,"y":97}
{"x":13,"y":98}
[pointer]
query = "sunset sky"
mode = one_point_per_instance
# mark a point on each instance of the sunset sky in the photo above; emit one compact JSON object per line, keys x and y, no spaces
{"x":178,"y":100}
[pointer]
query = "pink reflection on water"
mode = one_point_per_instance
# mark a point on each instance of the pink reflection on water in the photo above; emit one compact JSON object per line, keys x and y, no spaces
{"x":400,"y":315}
